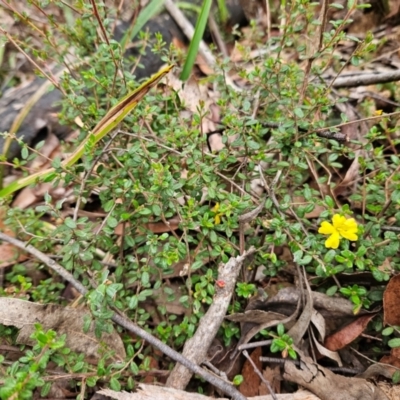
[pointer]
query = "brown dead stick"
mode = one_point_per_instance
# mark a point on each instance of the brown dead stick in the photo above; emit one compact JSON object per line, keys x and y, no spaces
{"x":366,"y":79}
{"x":329,"y":386}
{"x":196,"y":348}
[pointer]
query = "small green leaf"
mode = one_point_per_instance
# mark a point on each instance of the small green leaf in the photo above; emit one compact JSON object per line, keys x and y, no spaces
{"x":393,"y":343}
{"x":292,"y":354}
{"x":70,"y":223}
{"x":297,"y":256}
{"x":91,"y":381}
{"x":156,"y":210}
{"x":305,"y":260}
{"x":329,"y":256}
{"x":114,"y":384}
{"x":24,"y":153}
{"x":145,"y":211}
{"x":112,"y":222}
{"x":78,"y":366}
{"x":299,"y":112}
{"x":280,"y":329}
{"x":337,"y":6}
{"x":134,"y":368}
{"x":329,"y":201}
{"x":237,"y":380}
{"x":109,"y":205}
{"x":387,"y":331}
{"x":396,"y":377}
{"x":145,"y":278}
{"x":332,"y":290}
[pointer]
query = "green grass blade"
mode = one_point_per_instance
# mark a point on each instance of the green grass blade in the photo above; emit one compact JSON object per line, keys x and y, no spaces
{"x":197,"y":37}
{"x":223,"y":11}
{"x":152,"y":9}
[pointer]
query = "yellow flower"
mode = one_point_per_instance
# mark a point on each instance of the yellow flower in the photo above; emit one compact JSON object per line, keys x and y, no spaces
{"x":217,"y":216}
{"x":341,"y":227}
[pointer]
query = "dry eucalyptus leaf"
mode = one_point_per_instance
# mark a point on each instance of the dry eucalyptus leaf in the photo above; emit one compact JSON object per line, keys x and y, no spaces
{"x":64,"y":320}
{"x":297,"y":331}
{"x":350,"y":332}
{"x":10,"y":255}
{"x":323,"y":351}
{"x":393,"y":358}
{"x":273,"y":376}
{"x":391,"y":309}
{"x":251,"y":381}
{"x":319,"y":322}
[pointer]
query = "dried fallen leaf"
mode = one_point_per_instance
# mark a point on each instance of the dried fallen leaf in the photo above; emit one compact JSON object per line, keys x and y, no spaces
{"x":273,"y":376}
{"x":9,"y":254}
{"x":251,"y":381}
{"x":64,"y":320}
{"x":347,"y":334}
{"x":391,"y":309}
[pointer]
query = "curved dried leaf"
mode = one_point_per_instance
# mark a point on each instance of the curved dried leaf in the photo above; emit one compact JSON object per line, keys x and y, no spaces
{"x":391,"y":309}
{"x":349,"y":333}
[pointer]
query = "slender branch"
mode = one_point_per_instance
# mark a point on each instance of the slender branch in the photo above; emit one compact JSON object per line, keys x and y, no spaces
{"x":342,"y":370}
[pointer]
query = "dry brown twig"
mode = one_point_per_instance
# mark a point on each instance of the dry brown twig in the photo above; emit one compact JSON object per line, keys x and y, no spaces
{"x":366,"y":79}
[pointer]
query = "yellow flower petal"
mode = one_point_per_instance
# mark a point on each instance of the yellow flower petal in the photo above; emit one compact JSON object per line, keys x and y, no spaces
{"x":326,"y":228}
{"x":338,"y":221}
{"x":217,"y":219}
{"x":351,"y":224}
{"x":333,"y":241}
{"x":215,"y":208}
{"x":349,"y":229}
{"x":349,"y":236}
